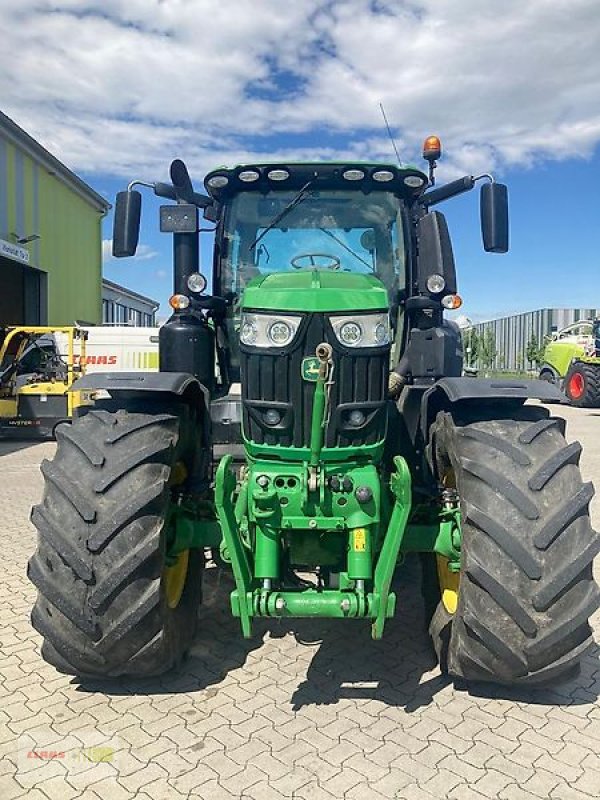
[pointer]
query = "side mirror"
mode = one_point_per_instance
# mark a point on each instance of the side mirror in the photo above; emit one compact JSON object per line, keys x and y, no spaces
{"x":126,"y":227}
{"x":435,"y":252}
{"x":494,"y":217}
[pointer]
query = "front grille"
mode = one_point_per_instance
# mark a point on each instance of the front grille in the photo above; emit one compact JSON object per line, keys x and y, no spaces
{"x":272,"y":379}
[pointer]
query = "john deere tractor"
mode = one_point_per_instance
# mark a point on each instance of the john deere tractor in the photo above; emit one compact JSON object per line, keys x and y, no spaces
{"x":309,"y":426}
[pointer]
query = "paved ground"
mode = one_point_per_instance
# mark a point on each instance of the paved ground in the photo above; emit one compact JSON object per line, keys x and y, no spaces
{"x":309,"y":711}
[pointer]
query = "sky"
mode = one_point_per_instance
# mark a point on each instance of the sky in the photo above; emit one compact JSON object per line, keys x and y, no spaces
{"x":118,"y":88}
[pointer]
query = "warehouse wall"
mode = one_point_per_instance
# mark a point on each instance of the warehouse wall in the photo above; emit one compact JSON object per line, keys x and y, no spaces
{"x":514,"y":333}
{"x":35,"y":201}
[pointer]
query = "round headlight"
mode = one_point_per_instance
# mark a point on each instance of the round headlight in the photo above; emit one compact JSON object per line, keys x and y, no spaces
{"x":279,"y":333}
{"x":248,"y":332}
{"x":272,"y":416}
{"x":383,"y":176}
{"x":382,"y":335}
{"x":249,"y":175}
{"x":351,"y":334}
{"x":436,"y":284}
{"x":356,"y":418}
{"x":196,"y":282}
{"x":218,"y":181}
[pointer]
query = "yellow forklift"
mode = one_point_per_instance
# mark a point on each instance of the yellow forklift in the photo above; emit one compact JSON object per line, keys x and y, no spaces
{"x":35,"y":377}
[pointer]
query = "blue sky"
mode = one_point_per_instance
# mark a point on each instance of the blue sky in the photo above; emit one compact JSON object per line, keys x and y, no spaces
{"x":117,"y":88}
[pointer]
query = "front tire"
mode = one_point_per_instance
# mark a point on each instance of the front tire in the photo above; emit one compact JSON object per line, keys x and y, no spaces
{"x":526,"y":589}
{"x":582,"y":385}
{"x":108,"y":603}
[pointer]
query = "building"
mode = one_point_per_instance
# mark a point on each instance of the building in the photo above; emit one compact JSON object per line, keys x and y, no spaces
{"x":50,"y":236}
{"x":121,"y":306}
{"x":513,"y":334}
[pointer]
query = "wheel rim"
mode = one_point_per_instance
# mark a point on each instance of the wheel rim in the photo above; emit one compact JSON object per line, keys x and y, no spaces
{"x":449,"y":583}
{"x":174,"y":576}
{"x":174,"y":579}
{"x":576,"y":385}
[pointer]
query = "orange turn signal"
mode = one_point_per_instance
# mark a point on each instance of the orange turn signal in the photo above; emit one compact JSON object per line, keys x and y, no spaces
{"x":432,"y":148}
{"x":452,"y":301}
{"x":179,"y":302}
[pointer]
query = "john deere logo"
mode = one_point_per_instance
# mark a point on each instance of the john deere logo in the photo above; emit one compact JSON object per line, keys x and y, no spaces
{"x":310,"y":369}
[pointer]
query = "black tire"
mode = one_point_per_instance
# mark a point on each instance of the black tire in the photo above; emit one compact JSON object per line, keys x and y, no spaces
{"x":582,"y":385}
{"x":526,"y":586}
{"x":548,"y":375}
{"x":102,"y":607}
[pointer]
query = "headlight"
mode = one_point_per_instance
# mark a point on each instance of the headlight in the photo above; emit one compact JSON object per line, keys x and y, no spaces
{"x":196,"y":282}
{"x":436,"y":284}
{"x":280,"y":333}
{"x":350,"y":334}
{"x":268,"y":330}
{"x":364,"y":330}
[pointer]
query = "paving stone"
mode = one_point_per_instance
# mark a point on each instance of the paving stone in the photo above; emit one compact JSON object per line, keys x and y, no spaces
{"x":542,"y":782}
{"x":465,"y":792}
{"x":343,"y":718}
{"x":456,"y":764}
{"x":563,"y":771}
{"x":492,"y":783}
{"x":507,"y":766}
{"x":514,"y":792}
{"x":588,"y":783}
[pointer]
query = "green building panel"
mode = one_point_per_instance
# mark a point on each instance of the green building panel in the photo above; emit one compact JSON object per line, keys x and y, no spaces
{"x":41,"y":199}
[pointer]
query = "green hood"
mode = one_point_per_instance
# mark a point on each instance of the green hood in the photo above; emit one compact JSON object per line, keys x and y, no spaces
{"x":315,"y":290}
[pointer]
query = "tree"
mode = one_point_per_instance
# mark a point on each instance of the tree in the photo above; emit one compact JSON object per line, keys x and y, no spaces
{"x":487,"y":349}
{"x":535,"y":351}
{"x":471,"y":344}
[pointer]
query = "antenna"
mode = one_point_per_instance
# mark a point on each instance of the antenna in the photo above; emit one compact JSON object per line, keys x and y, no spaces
{"x":387,"y":125}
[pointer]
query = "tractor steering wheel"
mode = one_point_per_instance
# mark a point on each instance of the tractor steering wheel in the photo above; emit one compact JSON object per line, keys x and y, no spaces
{"x":333,"y":262}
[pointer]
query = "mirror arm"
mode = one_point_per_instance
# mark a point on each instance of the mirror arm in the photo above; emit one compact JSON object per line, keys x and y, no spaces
{"x":483,"y":175}
{"x":448,"y":190}
{"x":139,"y":183}
{"x":169,"y":191}
{"x":454,"y":188}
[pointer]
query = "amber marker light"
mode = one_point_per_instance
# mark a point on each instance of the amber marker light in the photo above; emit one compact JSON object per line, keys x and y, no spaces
{"x":452,"y":301}
{"x":179,"y":302}
{"x":432,"y":148}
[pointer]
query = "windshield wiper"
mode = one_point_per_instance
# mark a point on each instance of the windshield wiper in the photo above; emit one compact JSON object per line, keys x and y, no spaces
{"x":346,"y":247}
{"x":295,"y":201}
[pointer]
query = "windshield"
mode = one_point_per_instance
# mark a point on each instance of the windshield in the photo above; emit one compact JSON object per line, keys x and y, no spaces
{"x":284,"y":231}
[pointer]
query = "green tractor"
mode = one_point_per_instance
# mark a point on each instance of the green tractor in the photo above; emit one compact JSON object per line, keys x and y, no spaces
{"x":309,"y":426}
{"x":572,"y":360}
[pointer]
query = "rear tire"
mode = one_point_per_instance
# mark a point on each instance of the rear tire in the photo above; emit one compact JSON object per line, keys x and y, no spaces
{"x":103,"y":607}
{"x":526,"y":588}
{"x":582,"y":385}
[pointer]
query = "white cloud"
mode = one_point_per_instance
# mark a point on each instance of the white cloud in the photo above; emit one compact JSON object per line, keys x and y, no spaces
{"x":144,"y":252}
{"x":121,"y":86}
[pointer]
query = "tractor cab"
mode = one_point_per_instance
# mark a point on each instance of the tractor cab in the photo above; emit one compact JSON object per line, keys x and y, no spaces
{"x":330,"y":218}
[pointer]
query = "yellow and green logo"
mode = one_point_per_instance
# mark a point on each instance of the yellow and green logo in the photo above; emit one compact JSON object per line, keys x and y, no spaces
{"x":310,"y":369}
